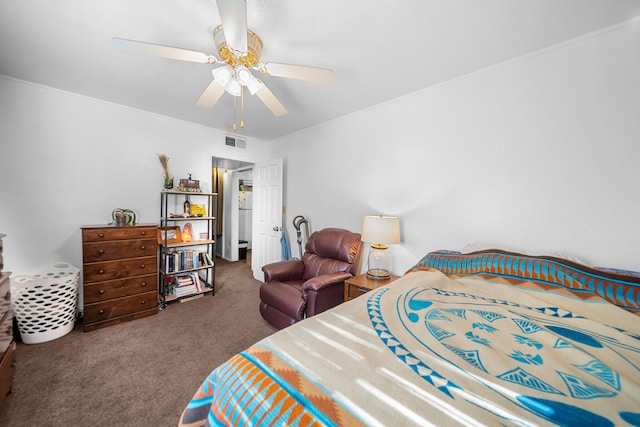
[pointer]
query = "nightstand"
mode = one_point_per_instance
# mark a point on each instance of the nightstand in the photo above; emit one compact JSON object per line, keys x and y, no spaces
{"x":362,"y":284}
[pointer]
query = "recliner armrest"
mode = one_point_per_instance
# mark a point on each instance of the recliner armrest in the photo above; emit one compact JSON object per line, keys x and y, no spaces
{"x":324,"y":280}
{"x":283,"y":271}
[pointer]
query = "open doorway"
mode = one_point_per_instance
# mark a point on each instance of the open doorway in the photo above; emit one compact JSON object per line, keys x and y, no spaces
{"x":233,"y":182}
{"x":267,"y":214}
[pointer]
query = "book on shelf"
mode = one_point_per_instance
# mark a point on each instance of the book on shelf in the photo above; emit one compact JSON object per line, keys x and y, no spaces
{"x":170,"y":264}
{"x":188,"y":259}
{"x":196,"y":279}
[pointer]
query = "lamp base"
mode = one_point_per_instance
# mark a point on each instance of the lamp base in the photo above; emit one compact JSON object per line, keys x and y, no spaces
{"x":379,"y":262}
{"x":377,"y":273}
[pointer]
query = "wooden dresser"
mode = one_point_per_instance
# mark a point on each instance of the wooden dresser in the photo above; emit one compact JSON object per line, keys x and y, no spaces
{"x":7,"y":345}
{"x":120,"y":274}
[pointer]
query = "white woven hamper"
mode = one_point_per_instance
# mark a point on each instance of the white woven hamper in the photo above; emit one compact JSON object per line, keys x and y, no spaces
{"x":44,"y":302}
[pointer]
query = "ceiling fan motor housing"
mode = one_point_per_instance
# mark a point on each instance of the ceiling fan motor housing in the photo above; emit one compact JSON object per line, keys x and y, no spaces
{"x":249,"y":58}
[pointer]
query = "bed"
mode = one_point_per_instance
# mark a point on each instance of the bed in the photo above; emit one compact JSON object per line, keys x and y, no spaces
{"x":485,"y":338}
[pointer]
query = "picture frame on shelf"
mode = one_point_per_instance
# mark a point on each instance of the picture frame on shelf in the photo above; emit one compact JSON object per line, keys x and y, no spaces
{"x":198,"y":210}
{"x":172,"y":235}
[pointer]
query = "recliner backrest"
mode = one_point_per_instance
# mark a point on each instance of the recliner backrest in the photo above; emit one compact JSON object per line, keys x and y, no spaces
{"x":330,"y":250}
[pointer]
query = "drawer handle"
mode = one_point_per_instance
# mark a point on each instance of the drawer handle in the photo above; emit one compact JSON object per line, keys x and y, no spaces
{"x":143,"y":302}
{"x":101,"y":291}
{"x":143,"y":233}
{"x":142,"y":265}
{"x":363,"y":290}
{"x":101,"y":312}
{"x":143,"y":247}
{"x":143,"y":284}
{"x":101,"y":235}
{"x":101,"y":251}
{"x":100,"y":271}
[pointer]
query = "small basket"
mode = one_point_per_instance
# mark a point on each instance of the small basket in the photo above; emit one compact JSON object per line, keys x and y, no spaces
{"x":45,"y":302}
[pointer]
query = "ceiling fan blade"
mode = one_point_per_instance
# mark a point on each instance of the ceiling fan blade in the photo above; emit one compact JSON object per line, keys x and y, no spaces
{"x":233,"y":14}
{"x":272,"y":103}
{"x":211,"y":95}
{"x":300,"y":72}
{"x":143,"y":48}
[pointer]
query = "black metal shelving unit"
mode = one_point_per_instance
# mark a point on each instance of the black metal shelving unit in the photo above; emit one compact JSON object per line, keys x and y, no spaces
{"x":173,"y":249}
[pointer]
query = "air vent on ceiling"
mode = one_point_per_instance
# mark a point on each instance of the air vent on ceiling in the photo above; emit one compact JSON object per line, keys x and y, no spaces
{"x":235,"y":142}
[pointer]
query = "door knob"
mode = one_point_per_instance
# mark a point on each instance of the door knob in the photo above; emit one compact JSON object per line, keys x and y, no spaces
{"x":277,"y":228}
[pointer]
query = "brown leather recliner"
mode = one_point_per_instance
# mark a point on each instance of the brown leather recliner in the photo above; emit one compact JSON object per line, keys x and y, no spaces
{"x":295,"y":289}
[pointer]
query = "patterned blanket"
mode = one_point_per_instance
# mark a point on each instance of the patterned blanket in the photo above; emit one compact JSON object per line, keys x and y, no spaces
{"x":431,"y":350}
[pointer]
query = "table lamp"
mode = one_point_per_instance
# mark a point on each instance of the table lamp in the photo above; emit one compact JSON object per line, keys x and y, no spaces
{"x":380,"y":231}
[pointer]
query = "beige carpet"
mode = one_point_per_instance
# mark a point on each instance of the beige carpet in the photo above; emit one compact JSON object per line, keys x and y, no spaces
{"x":140,"y":373}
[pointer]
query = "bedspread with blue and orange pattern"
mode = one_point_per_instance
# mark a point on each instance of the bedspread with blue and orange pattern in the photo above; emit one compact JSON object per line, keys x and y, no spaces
{"x":430,"y":349}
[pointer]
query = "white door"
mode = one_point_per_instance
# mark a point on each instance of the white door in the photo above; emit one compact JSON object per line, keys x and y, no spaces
{"x":267,"y":215}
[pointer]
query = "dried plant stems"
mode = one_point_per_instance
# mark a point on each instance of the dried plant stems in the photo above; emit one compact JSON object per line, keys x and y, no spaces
{"x":164,"y":161}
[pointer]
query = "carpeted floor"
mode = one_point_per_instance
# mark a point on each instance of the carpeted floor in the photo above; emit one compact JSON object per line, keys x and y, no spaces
{"x":140,"y":373}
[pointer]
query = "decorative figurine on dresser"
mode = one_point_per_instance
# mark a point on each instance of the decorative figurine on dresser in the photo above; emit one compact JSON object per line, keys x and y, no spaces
{"x":7,"y":344}
{"x":120,"y":271}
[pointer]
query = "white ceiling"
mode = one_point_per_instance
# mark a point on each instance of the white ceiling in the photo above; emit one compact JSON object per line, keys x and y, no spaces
{"x":378,"y":49}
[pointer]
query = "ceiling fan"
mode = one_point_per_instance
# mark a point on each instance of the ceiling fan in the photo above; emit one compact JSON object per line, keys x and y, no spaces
{"x":239,"y":50}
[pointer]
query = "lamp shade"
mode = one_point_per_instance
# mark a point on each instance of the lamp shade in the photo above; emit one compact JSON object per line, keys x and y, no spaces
{"x":234,"y":87}
{"x":381,"y":229}
{"x":222,"y":75}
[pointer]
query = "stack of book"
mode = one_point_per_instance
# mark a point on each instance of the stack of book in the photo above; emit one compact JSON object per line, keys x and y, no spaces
{"x":187,"y":284}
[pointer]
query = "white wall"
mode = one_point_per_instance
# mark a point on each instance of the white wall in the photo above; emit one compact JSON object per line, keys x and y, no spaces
{"x":68,"y":160}
{"x":540,"y":154}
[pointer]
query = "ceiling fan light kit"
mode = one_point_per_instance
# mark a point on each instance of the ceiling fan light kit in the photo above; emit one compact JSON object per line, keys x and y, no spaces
{"x":240,"y":49}
{"x":234,"y":79}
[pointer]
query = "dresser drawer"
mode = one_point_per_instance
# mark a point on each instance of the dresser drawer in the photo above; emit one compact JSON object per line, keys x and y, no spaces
{"x":107,"y":251}
{"x":106,"y":310}
{"x":101,"y":291}
{"x":118,"y":233}
{"x":111,"y":270}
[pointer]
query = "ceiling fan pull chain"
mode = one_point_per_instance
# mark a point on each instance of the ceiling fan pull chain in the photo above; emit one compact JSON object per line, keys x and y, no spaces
{"x":242,"y":107}
{"x":235,"y":127}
